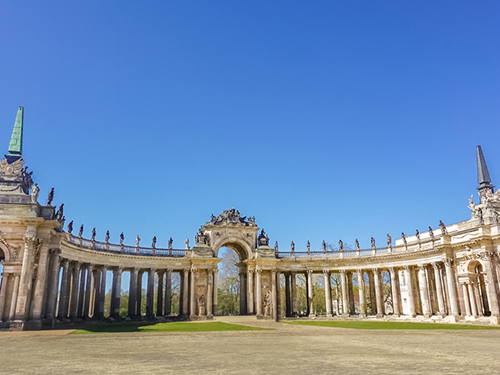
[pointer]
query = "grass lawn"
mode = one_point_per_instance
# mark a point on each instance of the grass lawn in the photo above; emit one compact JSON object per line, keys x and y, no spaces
{"x":163,"y":327}
{"x":390,"y":325}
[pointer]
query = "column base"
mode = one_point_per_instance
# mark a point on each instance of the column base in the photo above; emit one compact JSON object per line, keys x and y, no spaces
{"x":427,"y":316}
{"x":494,"y":320}
{"x":17,"y":325}
{"x":362,"y":315}
{"x":328,"y":315}
{"x":379,"y":316}
{"x":260,"y":316}
{"x":346,"y":315}
{"x":313,"y":315}
{"x":451,"y":318}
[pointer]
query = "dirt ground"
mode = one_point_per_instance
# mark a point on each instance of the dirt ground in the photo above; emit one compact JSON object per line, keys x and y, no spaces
{"x":291,"y":349}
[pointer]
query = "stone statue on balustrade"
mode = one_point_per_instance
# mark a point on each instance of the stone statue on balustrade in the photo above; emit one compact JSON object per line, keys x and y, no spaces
{"x":403,"y":236}
{"x":417,"y":234}
{"x":35,"y":190}
{"x":356,"y":243}
{"x":50,"y":197}
{"x":341,"y":245}
{"x":389,"y":240}
{"x":308,"y":245}
{"x":443,"y":228}
{"x":70,"y":227}
{"x":187,"y":243}
{"x":106,"y":239}
{"x":60,"y":212}
{"x":153,"y":244}
{"x":263,"y":239}
{"x":373,"y":243}
{"x":276,"y":247}
{"x":201,"y":238}
{"x":80,"y":232}
{"x":122,"y":237}
{"x":431,"y":234}
{"x":292,"y":247}
{"x":137,"y":240}
{"x":93,"y":234}
{"x":323,"y":244}
{"x":170,"y":242}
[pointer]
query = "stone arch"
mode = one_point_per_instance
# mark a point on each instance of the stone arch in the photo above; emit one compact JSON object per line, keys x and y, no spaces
{"x":241,"y":247}
{"x":476,"y":270}
{"x":5,"y":255}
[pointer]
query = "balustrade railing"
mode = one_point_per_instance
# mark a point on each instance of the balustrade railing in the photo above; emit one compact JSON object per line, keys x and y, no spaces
{"x":123,"y":249}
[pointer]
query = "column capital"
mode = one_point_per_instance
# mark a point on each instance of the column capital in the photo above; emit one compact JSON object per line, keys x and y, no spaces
{"x":258,"y":269}
{"x":392,"y":269}
{"x":65,"y":262}
{"x":342,"y":272}
{"x":90,"y":266}
{"x":134,"y":270}
{"x":359,"y":270}
{"x":210,"y":271}
{"x":326,"y":271}
{"x":77,"y":264}
{"x":54,"y":251}
{"x":375,"y":270}
{"x":407,"y":267}
{"x":169,"y":269}
{"x":436,"y":265}
{"x":421,"y":267}
{"x":152,"y":269}
{"x":118,"y":269}
{"x":250,"y":271}
{"x":194,"y":269}
{"x":309,"y":272}
{"x":448,"y":261}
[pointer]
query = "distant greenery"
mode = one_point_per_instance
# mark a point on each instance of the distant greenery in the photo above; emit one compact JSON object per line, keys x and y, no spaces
{"x":164,"y":327}
{"x":390,"y":325}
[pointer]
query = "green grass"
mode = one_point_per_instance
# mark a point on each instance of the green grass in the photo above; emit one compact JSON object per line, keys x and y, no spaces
{"x":390,"y":325}
{"x":163,"y":327}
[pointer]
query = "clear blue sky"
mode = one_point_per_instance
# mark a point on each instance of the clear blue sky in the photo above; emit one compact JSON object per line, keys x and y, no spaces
{"x":323,"y":119}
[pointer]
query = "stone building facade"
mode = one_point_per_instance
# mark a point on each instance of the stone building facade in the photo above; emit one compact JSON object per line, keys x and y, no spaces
{"x":51,"y":275}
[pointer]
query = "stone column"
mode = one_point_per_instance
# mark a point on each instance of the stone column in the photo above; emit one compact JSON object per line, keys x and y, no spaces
{"x":373,"y":300}
{"x":352,"y":310}
{"x":310,"y":293}
{"x":168,"y":293}
{"x":12,"y":312}
{"x":216,"y":275}
{"x":40,"y":285}
{"x":117,"y":288}
{"x":132,"y":293}
{"x":416,"y":291}
{"x":439,"y":288}
{"x":491,"y":286}
{"x":3,"y":292}
{"x":63,"y":295}
{"x":452,"y":293}
{"x":185,"y":293}
{"x":424,"y":291}
{"x":159,"y":297}
{"x":466,"y":299}
{"x":138,"y":294}
{"x":409,"y":285}
{"x":53,"y":286}
{"x":74,"y":290}
{"x":293,"y":293}
{"x":274,"y":295}
{"x":472,"y":299}
{"x":395,"y":291}
{"x":242,"y":293}
{"x":102,"y":291}
{"x":250,"y":301}
{"x":361,"y":287}
{"x":88,"y":291}
{"x":287,"y":295}
{"x":378,"y":292}
{"x":81,"y":295}
{"x":25,"y":280}
{"x":210,"y":274}
{"x":97,"y":292}
{"x":258,"y":292}
{"x":192,"y":293}
{"x":328,"y":296}
{"x":150,"y":294}
{"x":345,"y":297}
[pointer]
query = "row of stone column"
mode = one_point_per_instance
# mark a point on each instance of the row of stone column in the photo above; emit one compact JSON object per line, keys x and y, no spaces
{"x":431,"y":289}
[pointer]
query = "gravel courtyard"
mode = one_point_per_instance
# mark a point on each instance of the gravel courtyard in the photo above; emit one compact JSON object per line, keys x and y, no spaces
{"x":291,"y":349}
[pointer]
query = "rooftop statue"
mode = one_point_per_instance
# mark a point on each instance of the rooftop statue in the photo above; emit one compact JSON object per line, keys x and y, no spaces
{"x":417,"y":234}
{"x":93,"y":234}
{"x":389,"y":240}
{"x":373,"y":243}
{"x":443,"y":228}
{"x":59,"y":212}
{"x":106,"y":239}
{"x":170,"y":242}
{"x":323,"y":244}
{"x":70,"y":227}
{"x":403,"y":236}
{"x":232,"y":216}
{"x":80,"y":232}
{"x":122,"y":237}
{"x":34,"y":193}
{"x":187,"y":243}
{"x":201,"y":238}
{"x":50,"y":198}
{"x":356,"y":243}
{"x":263,"y":239}
{"x":308,"y":247}
{"x":276,"y":246}
{"x":431,"y":233}
{"x":153,"y":244}
{"x":341,"y":245}
{"x":292,"y":246}
{"x":137,"y":240}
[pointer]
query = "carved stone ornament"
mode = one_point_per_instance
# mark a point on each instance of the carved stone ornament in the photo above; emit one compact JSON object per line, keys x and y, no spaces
{"x":202,"y":238}
{"x":232,"y":216}
{"x":16,"y":178}
{"x":263,"y":239}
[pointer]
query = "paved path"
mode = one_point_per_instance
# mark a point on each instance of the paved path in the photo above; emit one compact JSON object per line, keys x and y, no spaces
{"x":291,"y":349}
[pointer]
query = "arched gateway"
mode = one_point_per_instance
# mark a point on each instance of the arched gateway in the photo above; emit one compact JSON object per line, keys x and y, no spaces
{"x":51,"y":275}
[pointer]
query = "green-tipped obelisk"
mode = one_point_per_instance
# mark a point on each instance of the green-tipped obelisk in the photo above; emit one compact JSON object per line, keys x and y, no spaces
{"x":16,"y":141}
